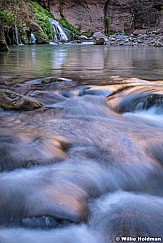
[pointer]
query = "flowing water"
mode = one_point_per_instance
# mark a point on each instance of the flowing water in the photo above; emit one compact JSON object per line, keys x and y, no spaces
{"x":59,"y":34}
{"x":87,"y":165}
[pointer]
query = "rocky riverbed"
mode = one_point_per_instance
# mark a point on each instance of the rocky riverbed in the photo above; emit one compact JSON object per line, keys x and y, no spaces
{"x":81,"y":162}
{"x":137,"y":38}
{"x":147,"y":39}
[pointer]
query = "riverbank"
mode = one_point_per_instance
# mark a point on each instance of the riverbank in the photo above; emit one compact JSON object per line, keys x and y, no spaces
{"x":28,"y":23}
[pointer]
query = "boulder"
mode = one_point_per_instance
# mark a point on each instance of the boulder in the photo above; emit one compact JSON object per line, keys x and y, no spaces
{"x":3,"y":45}
{"x":83,"y":37}
{"x":159,"y":31}
{"x":35,"y":27}
{"x":140,"y":32}
{"x":41,"y":40}
{"x":10,"y":100}
{"x":99,"y":38}
{"x":158,"y":44}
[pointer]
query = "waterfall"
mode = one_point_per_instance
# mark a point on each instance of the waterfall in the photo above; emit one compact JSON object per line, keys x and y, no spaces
{"x":17,"y":37}
{"x":33,"y":38}
{"x":59,"y":34}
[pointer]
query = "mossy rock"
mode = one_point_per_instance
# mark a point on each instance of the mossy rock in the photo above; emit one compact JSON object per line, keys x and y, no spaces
{"x":42,"y":18}
{"x":3,"y":45}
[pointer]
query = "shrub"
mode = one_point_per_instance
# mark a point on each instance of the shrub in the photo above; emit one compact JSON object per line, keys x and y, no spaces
{"x":42,"y":18}
{"x":69,"y":26}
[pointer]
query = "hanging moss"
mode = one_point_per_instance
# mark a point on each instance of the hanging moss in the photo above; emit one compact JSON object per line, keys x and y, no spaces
{"x":21,"y":13}
{"x":42,"y":18}
{"x":69,"y":26}
{"x":7,"y":17}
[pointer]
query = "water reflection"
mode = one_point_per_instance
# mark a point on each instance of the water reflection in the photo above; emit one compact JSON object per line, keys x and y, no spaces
{"x":83,"y":62}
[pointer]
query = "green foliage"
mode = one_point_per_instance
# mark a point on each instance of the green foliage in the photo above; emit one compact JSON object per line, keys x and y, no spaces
{"x":40,"y":10}
{"x":7,"y":17}
{"x":69,"y":26}
{"x":88,"y":34}
{"x":42,"y":17}
{"x":107,"y":25}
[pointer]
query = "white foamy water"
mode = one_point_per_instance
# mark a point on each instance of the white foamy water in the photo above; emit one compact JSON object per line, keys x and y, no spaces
{"x":78,"y":234}
{"x":152,"y":116}
{"x":77,"y":170}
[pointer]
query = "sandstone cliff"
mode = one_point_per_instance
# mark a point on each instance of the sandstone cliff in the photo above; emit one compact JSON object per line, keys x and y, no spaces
{"x":107,"y":15}
{"x":87,"y":15}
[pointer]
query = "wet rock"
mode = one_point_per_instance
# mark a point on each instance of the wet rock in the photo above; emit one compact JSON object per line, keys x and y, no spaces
{"x":158,"y":44}
{"x":155,"y":151}
{"x":39,"y":222}
{"x":41,"y":40}
{"x":147,"y":39}
{"x":10,"y":100}
{"x":159,"y":31}
{"x":35,"y":27}
{"x":132,"y":101}
{"x":44,"y":84}
{"x":128,"y":214}
{"x":99,"y":38}
{"x":34,"y":31}
{"x":83,"y":37}
{"x":30,"y":148}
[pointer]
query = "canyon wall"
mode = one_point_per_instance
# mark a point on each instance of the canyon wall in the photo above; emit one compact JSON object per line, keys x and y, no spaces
{"x":107,"y":15}
{"x":86,"y":15}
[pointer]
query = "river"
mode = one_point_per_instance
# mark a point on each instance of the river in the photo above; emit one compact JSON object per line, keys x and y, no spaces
{"x":86,"y":165}
{"x":83,"y":62}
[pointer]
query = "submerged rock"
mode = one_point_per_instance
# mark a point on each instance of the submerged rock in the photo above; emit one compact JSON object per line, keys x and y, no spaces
{"x":13,"y":101}
{"x":128,"y":215}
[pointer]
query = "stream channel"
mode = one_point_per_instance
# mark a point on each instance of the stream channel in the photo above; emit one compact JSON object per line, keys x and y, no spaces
{"x":87,"y":165}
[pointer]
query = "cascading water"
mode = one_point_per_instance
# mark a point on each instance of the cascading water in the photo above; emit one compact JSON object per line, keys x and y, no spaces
{"x":77,"y":168}
{"x":17,"y":37}
{"x":59,"y":34}
{"x":33,"y":38}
